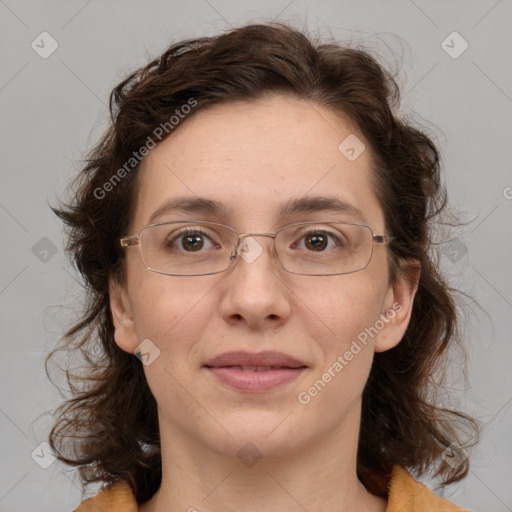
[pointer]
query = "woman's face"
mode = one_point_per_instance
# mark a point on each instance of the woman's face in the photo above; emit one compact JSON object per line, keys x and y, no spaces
{"x":253,"y":158}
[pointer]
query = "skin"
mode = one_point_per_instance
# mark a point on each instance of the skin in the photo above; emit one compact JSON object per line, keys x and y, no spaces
{"x":253,"y":156}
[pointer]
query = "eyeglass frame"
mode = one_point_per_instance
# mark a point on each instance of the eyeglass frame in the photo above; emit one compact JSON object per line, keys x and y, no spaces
{"x":135,"y":240}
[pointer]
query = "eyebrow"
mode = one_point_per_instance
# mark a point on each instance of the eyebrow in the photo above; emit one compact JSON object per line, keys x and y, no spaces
{"x":207,"y":206}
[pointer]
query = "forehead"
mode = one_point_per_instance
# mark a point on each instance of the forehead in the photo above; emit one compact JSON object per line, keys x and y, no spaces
{"x":255,"y":160}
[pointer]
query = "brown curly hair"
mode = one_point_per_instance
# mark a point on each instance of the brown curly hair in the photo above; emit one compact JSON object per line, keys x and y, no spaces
{"x":108,"y":427}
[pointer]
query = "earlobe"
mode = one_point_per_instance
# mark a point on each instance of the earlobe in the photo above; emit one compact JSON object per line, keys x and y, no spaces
{"x":125,"y":335}
{"x":399,"y":302}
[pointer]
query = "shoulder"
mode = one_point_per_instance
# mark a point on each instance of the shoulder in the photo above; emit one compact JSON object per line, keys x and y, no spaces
{"x":117,"y":497}
{"x":405,"y":494}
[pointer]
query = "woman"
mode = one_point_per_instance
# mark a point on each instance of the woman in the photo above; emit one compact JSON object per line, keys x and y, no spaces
{"x":265,"y":316}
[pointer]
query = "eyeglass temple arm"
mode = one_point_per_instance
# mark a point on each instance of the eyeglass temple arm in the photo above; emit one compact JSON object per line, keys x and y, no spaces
{"x":129,"y":241}
{"x":383,"y":239}
{"x":134,"y":240}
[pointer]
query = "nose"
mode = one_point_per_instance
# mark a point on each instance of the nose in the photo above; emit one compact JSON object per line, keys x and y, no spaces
{"x":255,"y":293}
{"x":249,"y":249}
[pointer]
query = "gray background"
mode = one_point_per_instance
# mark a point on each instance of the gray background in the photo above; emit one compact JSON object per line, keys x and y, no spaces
{"x":53,"y":109}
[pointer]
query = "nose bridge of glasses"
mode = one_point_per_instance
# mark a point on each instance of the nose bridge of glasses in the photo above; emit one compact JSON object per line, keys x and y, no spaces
{"x":243,"y":236}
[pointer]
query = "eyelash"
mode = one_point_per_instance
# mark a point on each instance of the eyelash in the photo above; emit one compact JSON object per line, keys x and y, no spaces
{"x":191,"y":231}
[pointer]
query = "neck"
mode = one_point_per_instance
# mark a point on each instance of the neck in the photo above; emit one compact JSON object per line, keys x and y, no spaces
{"x":321,"y":476}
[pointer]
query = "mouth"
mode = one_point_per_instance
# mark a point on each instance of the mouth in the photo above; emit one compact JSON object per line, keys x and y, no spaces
{"x":255,"y":368}
{"x":255,"y":372}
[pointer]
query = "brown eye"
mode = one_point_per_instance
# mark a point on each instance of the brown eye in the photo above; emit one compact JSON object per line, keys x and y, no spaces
{"x":189,"y":240}
{"x":194,"y":242}
{"x":316,"y":242}
{"x":320,"y":241}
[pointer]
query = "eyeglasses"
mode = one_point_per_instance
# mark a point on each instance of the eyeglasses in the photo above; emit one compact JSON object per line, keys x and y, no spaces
{"x":197,"y":248}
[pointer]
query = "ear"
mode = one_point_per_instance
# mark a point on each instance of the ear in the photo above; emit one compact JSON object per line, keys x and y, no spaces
{"x":397,"y":307}
{"x":125,"y":334}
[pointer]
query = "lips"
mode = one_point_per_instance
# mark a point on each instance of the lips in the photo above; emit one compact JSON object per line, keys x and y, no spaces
{"x":255,"y":372}
{"x":255,"y":368}
{"x":260,"y":361}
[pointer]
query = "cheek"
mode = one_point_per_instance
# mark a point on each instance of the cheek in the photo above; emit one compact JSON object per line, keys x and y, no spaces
{"x":345,"y":356}
{"x":169,"y":310}
{"x":338,"y":310}
{"x":340,"y":318}
{"x":173,"y":315}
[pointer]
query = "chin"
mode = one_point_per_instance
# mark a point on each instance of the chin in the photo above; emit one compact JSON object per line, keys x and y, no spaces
{"x":259,"y":434}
